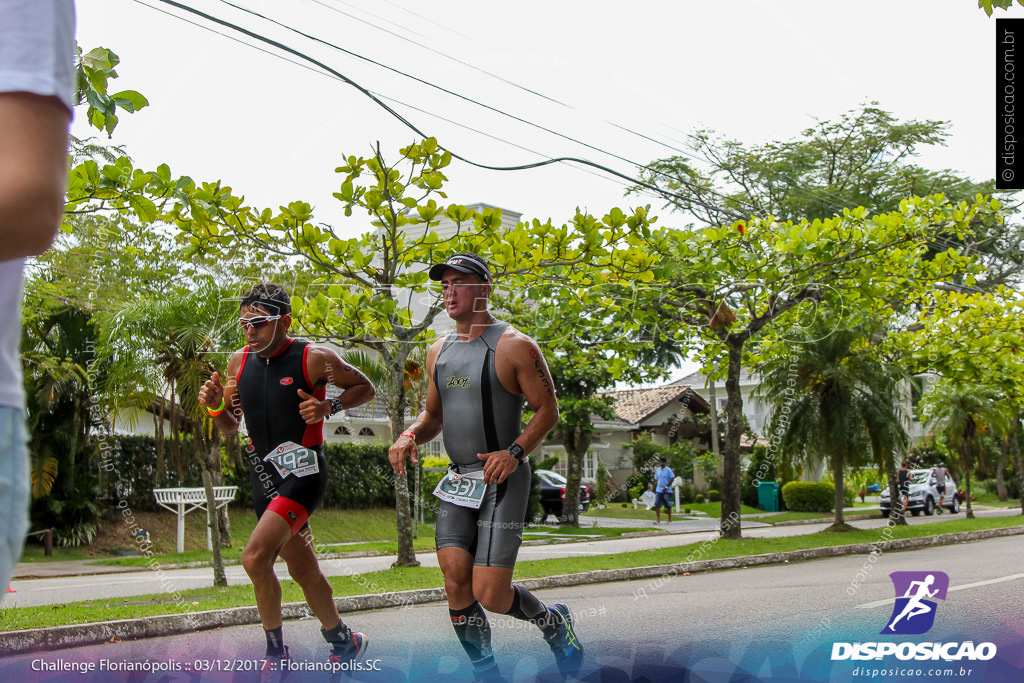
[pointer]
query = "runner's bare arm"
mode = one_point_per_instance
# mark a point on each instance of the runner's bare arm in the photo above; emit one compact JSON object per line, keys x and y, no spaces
{"x":324,"y":366}
{"x":34,"y":172}
{"x":427,"y":424}
{"x":519,"y":353}
{"x":215,"y":390}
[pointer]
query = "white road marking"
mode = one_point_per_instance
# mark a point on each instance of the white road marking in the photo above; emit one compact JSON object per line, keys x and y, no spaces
{"x":965,"y":586}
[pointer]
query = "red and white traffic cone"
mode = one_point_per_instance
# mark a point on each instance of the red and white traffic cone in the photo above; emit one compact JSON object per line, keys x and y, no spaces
{"x":10,"y":590}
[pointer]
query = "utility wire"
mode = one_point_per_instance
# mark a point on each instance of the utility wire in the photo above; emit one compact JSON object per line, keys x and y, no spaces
{"x":442,"y":54}
{"x":416,"y":130}
{"x":432,"y":85}
{"x":319,"y":72}
{"x":480,"y":104}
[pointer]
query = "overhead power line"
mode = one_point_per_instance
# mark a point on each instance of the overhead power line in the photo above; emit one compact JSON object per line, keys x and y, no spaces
{"x":415,"y":129}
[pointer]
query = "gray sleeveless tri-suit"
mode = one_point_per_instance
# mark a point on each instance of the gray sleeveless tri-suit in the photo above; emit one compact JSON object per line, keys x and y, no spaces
{"x":480,"y":416}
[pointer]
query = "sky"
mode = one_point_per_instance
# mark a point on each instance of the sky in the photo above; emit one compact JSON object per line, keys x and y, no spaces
{"x":752,"y":70}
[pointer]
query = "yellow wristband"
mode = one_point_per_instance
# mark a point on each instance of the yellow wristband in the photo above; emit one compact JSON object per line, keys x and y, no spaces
{"x":218,"y":410}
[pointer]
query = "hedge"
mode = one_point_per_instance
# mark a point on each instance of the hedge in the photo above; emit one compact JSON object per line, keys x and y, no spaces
{"x":360,"y":476}
{"x":806,"y":496}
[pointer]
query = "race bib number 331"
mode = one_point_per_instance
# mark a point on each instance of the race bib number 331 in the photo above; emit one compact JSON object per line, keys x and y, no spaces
{"x":466,"y":490}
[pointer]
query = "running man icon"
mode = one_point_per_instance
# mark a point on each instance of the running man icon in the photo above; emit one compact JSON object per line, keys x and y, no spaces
{"x":913,"y":612}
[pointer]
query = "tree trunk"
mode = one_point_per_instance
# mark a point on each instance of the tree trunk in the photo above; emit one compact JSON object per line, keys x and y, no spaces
{"x":896,"y":514}
{"x":158,"y":432}
{"x":730,"y":520}
{"x":967,"y":477}
{"x":1018,"y":463}
{"x":577,"y":442}
{"x":1000,"y":478}
{"x":716,"y":448}
{"x":217,"y":471}
{"x":206,"y":462}
{"x":837,"y":477}
{"x":396,"y":408}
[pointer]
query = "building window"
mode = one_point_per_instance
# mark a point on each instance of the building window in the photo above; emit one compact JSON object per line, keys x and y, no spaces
{"x":590,"y":461}
{"x":435,"y":448}
{"x":342,"y":431}
{"x":366,"y":431}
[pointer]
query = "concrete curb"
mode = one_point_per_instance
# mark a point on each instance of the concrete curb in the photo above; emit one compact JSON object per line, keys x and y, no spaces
{"x":60,"y":637}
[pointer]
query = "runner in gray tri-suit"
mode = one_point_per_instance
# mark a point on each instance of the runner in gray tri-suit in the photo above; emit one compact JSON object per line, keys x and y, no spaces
{"x":479,"y":377}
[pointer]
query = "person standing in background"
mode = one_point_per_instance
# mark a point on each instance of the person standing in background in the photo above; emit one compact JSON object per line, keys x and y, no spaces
{"x":663,"y":476}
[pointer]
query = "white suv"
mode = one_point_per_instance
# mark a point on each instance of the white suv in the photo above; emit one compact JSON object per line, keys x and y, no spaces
{"x":924,"y":497}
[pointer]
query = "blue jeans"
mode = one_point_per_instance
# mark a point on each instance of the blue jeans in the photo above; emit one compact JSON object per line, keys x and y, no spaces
{"x":14,"y":490}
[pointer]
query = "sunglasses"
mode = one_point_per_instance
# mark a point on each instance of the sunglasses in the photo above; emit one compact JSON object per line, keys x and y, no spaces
{"x":257,"y":322}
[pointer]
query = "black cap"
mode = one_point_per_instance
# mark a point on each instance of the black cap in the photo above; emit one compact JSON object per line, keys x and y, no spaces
{"x":464,"y":263}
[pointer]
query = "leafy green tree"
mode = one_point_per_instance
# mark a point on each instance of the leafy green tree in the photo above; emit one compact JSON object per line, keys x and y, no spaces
{"x":973,"y":340}
{"x":373,"y":291}
{"x":94,"y":70}
{"x":989,"y":5}
{"x":588,"y":333}
{"x":730,"y":285}
{"x":964,"y":414}
{"x":863,"y":159}
{"x":159,"y":352}
{"x":732,"y":280}
{"x":57,"y":352}
{"x":832,"y":398}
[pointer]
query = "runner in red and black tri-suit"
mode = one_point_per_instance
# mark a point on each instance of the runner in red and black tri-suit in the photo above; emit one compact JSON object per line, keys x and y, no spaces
{"x":278,"y":385}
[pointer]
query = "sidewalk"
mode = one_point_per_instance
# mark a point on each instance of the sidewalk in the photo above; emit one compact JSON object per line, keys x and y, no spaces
{"x":59,"y":569}
{"x":56,"y":569}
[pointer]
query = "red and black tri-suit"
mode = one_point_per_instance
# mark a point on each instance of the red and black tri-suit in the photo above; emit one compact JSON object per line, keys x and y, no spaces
{"x":268,"y":391}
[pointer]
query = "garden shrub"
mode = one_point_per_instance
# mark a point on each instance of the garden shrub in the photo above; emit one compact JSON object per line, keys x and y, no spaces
{"x":807,"y":496}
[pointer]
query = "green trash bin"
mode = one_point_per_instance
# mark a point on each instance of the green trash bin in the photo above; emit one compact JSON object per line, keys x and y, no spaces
{"x":768,"y":496}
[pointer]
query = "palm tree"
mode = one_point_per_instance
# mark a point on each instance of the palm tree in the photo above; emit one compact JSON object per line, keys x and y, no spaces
{"x":832,"y":398}
{"x":56,"y":354}
{"x":963,"y":414}
{"x":160,"y":350}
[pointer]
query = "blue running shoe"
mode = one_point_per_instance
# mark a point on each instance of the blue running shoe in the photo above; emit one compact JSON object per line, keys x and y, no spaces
{"x":563,"y":643}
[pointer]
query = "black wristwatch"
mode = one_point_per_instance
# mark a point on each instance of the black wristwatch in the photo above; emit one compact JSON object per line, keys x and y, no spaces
{"x":336,"y":406}
{"x":517,"y":452}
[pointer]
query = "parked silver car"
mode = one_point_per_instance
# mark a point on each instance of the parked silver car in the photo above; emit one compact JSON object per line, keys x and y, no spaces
{"x":924,"y":496}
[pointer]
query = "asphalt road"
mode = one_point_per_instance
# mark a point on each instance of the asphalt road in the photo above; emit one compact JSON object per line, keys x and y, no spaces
{"x":775,"y":623}
{"x":49,"y":591}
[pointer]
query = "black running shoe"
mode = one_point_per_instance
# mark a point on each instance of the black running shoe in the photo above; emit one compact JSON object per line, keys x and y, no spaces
{"x":486,"y":669}
{"x":353,"y":649}
{"x":274,"y":668}
{"x":563,"y":643}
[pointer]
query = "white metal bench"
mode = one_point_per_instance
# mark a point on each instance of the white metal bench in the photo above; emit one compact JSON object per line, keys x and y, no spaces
{"x":184,"y":501}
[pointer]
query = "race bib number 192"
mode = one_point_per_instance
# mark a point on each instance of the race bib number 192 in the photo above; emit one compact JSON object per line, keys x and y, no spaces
{"x":293,"y":458}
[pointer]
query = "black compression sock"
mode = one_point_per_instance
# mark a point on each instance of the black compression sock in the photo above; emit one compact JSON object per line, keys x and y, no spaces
{"x":528,"y":607}
{"x":337,"y":636}
{"x":474,"y":632}
{"x":275,"y":642}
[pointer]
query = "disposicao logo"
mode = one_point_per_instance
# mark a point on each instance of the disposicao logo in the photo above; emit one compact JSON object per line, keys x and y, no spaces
{"x":914,"y":611}
{"x":914,"y":614}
